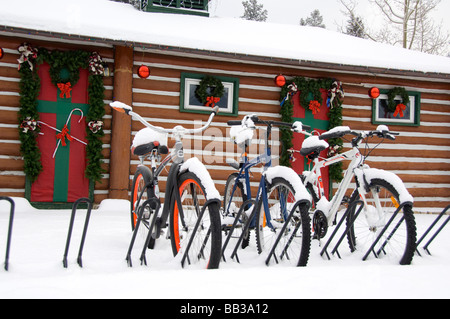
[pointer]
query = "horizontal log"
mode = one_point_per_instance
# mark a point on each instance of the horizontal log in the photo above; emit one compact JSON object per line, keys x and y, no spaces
{"x":9,"y":86}
{"x":9,"y":133}
{"x":12,"y":181}
{"x":414,"y":166}
{"x":10,"y":149}
{"x":13,"y":193}
{"x":12,"y":164}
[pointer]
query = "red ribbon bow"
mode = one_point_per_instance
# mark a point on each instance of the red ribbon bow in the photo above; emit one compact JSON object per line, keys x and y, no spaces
{"x":65,"y":89}
{"x":211,"y":101}
{"x":314,"y":106}
{"x":399,"y":109}
{"x":64,"y":133}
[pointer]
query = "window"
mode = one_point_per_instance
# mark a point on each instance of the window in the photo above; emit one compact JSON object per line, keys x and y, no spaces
{"x":228,"y":104}
{"x":197,"y":7}
{"x":407,"y":115}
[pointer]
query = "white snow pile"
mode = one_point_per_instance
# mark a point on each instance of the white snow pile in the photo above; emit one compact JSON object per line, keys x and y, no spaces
{"x":240,"y":134}
{"x":121,"y":22}
{"x":149,"y":135}
{"x":292,"y":177}
{"x":313,"y":141}
{"x":194,"y":165}
{"x":366,"y":174}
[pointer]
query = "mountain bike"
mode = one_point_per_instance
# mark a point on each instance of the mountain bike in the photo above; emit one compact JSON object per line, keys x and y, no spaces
{"x":191,"y":205}
{"x":379,"y":214}
{"x":278,"y":213}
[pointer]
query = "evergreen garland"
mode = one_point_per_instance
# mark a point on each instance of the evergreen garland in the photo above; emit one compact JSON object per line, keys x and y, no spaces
{"x":96,"y":112}
{"x":310,"y":90}
{"x":29,"y":91}
{"x":69,"y":60}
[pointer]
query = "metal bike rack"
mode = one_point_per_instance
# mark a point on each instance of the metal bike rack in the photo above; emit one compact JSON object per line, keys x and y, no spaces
{"x":436,"y":233}
{"x":150,"y":230}
{"x":197,"y":225}
{"x":344,"y":217}
{"x":69,"y":235}
{"x":236,"y":219}
{"x":283,"y":229}
{"x":371,"y":249}
{"x":11,"y":218}
{"x":245,"y":229}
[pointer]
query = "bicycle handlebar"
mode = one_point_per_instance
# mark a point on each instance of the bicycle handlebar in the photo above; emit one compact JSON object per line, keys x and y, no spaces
{"x":124,"y":108}
{"x":256,"y":120}
{"x":382,"y":131}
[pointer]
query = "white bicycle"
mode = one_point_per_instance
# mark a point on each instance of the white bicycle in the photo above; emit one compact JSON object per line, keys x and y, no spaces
{"x":379,"y":214}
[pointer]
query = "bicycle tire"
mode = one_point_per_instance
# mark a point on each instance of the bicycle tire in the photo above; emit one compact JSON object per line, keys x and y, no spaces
{"x":319,"y":221}
{"x":205,"y":251}
{"x":295,"y":243}
{"x":239,"y":197}
{"x":142,"y":177}
{"x":398,"y":246}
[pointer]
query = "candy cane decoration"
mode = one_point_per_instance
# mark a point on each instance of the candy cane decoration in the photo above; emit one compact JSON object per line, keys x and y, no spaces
{"x":64,"y":132}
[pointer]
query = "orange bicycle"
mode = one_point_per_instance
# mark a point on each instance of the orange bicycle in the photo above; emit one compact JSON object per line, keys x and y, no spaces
{"x":191,"y":206}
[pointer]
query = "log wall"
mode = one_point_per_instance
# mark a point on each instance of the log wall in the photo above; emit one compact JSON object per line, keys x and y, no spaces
{"x":420,"y":155}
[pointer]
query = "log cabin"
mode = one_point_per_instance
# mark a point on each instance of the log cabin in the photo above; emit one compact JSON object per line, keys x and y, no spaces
{"x":177,"y":46}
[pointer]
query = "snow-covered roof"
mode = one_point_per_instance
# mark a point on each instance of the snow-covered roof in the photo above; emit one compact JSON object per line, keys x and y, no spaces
{"x":113,"y":21}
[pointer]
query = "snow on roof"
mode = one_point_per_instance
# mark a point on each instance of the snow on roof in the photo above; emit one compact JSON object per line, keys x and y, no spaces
{"x":114,"y":21}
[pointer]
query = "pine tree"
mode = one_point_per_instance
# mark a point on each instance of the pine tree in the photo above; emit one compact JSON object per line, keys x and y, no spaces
{"x":355,"y":27}
{"x":254,"y":11}
{"x":314,"y":20}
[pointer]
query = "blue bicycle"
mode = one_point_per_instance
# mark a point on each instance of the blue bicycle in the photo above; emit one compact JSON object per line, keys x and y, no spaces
{"x":278,"y":213}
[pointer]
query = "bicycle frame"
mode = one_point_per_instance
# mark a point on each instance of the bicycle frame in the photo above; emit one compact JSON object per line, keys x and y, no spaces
{"x":176,"y":156}
{"x":316,"y":175}
{"x":244,"y":173}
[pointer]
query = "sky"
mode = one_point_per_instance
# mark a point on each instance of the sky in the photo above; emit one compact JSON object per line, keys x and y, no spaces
{"x":291,"y":11}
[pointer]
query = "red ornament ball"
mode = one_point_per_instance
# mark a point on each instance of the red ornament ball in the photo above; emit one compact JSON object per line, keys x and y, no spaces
{"x":144,"y":71}
{"x":374,"y":92}
{"x":280,"y":80}
{"x":1,"y":53}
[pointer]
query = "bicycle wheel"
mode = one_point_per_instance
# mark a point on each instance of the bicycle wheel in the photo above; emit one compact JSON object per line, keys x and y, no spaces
{"x":319,"y":221}
{"x":295,"y":241}
{"x":397,"y":243}
{"x":232,"y":202}
{"x":139,"y":194}
{"x":205,"y":249}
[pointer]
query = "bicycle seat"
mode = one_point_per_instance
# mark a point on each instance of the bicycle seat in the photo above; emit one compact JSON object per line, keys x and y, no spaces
{"x":147,"y":148}
{"x":147,"y":140}
{"x":312,"y":146}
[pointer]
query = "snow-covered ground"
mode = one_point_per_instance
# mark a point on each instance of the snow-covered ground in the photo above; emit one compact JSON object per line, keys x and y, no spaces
{"x":39,"y":237}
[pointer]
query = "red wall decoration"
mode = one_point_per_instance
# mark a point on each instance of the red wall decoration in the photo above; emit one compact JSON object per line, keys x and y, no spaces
{"x":62,"y":141}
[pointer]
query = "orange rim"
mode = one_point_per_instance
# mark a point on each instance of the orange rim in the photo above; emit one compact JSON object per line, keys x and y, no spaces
{"x":175,"y":212}
{"x":135,"y":196}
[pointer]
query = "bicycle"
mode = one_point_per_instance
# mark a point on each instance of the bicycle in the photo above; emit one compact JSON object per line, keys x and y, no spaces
{"x":192,"y":203}
{"x":380,"y":196}
{"x":279,"y":211}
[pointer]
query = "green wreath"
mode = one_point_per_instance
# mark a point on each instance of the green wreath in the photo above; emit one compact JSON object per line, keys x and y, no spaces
{"x":392,"y":105}
{"x":71,"y":61}
{"x":217,"y":88}
{"x":29,"y":92}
